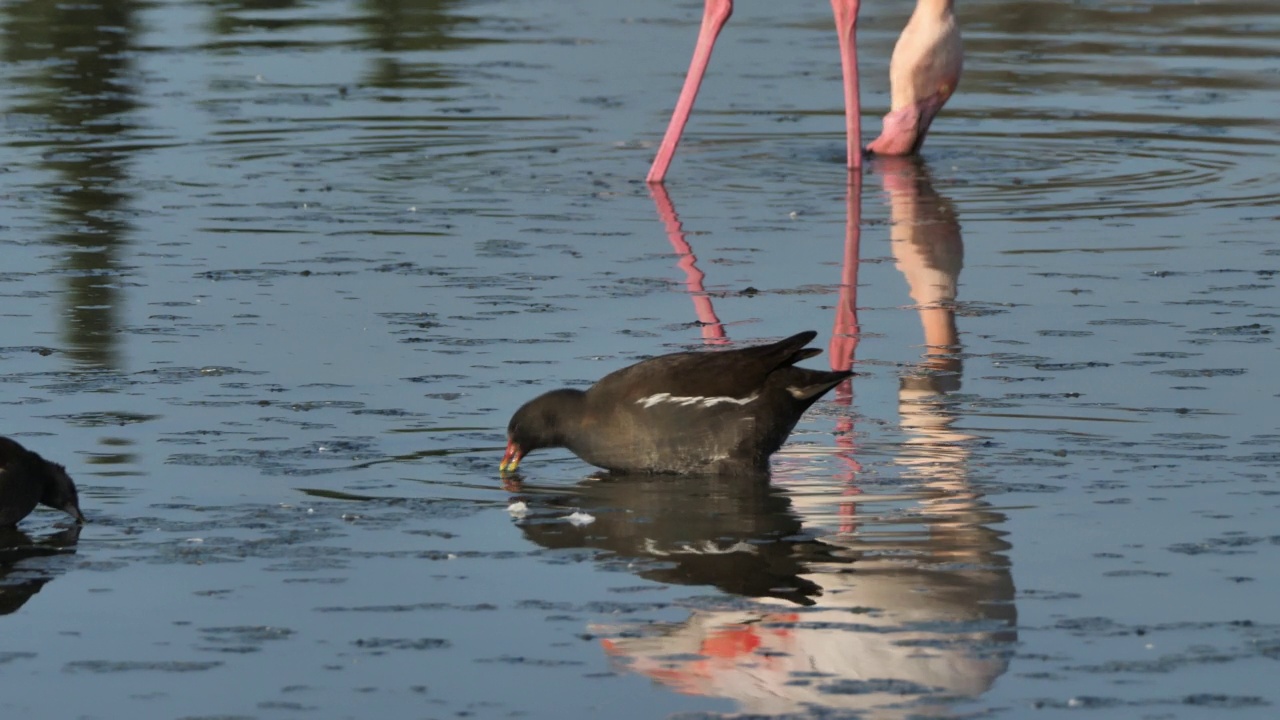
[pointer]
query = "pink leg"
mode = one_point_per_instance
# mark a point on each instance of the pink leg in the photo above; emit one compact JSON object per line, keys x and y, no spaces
{"x":714,"y":16}
{"x":846,"y":12}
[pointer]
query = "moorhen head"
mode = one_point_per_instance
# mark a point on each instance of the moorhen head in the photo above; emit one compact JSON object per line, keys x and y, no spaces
{"x":717,"y":412}
{"x":26,"y":479}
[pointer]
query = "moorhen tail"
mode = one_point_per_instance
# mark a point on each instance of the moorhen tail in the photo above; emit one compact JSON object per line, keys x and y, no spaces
{"x":26,"y":479}
{"x":685,"y":413}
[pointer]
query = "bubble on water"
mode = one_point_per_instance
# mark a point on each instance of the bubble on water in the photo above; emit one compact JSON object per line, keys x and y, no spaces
{"x":581,"y":519}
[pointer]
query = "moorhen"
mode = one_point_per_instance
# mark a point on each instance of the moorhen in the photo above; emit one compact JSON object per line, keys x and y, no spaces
{"x":26,"y":479}
{"x":685,"y":413}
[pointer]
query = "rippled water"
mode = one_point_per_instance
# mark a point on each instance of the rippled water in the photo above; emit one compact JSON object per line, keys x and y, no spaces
{"x":277,"y":273}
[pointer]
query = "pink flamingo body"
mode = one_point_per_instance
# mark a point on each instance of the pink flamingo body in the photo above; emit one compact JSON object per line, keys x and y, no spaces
{"x":923,"y":73}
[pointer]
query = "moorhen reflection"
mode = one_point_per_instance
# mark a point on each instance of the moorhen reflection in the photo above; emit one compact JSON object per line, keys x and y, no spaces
{"x":27,"y":480}
{"x":19,"y":579}
{"x":722,"y":412}
{"x":738,"y":534}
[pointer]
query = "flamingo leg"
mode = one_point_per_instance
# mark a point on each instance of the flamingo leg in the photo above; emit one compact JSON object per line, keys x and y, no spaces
{"x":714,"y":15}
{"x":846,"y":14}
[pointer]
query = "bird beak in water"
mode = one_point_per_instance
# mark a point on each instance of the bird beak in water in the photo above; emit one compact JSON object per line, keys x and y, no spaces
{"x":511,"y":458}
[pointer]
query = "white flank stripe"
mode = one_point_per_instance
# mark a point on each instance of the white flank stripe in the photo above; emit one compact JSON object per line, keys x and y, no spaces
{"x":688,"y":400}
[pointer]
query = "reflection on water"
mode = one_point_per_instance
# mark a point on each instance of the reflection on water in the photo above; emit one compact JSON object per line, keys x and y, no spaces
{"x":393,"y":30}
{"x":739,"y":535}
{"x":20,"y":575}
{"x":902,"y":604}
{"x":77,"y":86}
{"x":712,"y":329}
{"x":910,"y":611}
{"x":1147,"y":123}
{"x":929,"y":252}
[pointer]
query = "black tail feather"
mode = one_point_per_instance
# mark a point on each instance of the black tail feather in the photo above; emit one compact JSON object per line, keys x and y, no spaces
{"x":792,"y":350}
{"x":816,"y":383}
{"x":804,"y":354}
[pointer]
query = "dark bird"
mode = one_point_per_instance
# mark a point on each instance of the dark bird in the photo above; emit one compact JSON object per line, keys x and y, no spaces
{"x":26,"y":479}
{"x":685,"y":413}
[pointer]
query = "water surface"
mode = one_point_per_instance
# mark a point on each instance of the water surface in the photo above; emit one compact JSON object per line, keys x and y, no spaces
{"x":276,"y":275}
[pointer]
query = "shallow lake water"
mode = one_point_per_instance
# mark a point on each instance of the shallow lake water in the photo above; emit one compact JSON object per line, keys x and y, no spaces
{"x":277,"y":273}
